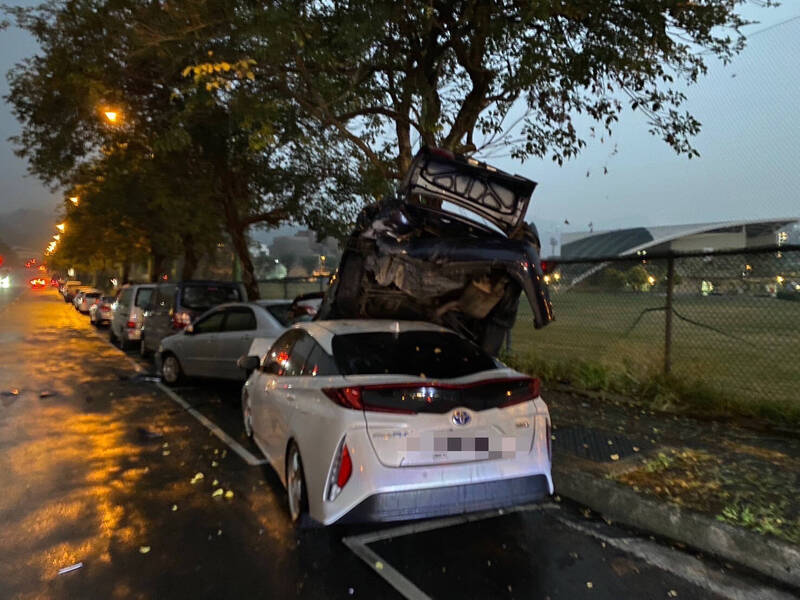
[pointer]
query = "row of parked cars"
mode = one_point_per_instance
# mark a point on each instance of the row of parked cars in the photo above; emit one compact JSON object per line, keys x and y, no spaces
{"x":390,"y":403}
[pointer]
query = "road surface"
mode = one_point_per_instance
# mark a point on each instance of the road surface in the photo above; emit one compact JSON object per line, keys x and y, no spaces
{"x":100,"y":498}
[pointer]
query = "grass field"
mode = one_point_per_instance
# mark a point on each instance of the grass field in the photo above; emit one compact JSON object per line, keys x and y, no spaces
{"x":749,"y":353}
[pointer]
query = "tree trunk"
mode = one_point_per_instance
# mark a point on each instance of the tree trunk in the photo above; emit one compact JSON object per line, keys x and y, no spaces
{"x":238,"y":235}
{"x":190,"y":259}
{"x":158,"y":267}
{"x":126,"y":273}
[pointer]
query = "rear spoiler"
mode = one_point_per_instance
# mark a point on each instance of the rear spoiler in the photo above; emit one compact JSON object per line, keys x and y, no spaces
{"x":497,"y":196}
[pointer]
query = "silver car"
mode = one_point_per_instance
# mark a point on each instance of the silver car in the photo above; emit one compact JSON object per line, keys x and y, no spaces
{"x":373,"y":420}
{"x":126,"y":322}
{"x":212,"y":345}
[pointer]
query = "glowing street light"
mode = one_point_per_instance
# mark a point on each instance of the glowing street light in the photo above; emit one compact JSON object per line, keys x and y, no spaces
{"x":112,"y":116}
{"x":74,"y":200}
{"x":651,"y":280}
{"x":60,"y":227}
{"x":57,"y":237}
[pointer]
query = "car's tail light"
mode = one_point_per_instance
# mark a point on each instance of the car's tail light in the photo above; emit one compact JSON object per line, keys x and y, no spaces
{"x":351,"y":397}
{"x":531,"y":393}
{"x":131,"y":324}
{"x":181,"y":319}
{"x":341,"y":470}
{"x":413,"y":398}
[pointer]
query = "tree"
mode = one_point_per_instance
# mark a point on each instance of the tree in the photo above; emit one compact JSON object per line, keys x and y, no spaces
{"x":262,"y":163}
{"x":636,"y":277}
{"x":483,"y":77}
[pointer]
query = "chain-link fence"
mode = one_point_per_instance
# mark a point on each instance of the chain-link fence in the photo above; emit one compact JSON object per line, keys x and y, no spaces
{"x":730,"y":320}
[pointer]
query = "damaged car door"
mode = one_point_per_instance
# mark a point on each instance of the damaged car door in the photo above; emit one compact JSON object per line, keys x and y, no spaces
{"x":451,"y":247}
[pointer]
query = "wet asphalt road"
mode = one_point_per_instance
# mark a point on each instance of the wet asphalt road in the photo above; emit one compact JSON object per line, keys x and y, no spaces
{"x":96,"y":467}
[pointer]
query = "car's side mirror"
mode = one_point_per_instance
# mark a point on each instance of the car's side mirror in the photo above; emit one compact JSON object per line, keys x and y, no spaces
{"x":248,"y":363}
{"x":189,"y":329}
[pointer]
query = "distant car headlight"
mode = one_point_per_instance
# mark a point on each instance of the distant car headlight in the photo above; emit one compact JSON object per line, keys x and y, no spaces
{"x":5,"y":282}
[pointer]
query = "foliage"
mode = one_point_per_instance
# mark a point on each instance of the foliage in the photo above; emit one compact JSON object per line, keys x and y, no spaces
{"x":488,"y":78}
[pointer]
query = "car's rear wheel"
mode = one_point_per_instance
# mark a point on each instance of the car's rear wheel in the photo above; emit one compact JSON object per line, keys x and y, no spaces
{"x":143,"y":351}
{"x":112,"y":337}
{"x":296,"y":488}
{"x":171,"y":371}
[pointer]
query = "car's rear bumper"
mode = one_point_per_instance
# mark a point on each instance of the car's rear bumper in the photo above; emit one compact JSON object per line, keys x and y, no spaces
{"x":449,"y":500}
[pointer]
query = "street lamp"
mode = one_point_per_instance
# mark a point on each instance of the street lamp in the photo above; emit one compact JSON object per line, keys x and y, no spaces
{"x":60,"y":227}
{"x":74,"y":200}
{"x":112,"y":116}
{"x":57,"y":237}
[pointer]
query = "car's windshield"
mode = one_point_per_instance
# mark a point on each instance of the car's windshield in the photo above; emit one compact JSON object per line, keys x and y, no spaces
{"x":430,"y":354}
{"x":204,"y":296}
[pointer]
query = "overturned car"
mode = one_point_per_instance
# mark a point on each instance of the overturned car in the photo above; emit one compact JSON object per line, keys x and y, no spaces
{"x":418,"y":255}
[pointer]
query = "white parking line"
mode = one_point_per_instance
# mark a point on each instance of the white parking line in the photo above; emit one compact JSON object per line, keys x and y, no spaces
{"x":243,"y":452}
{"x":404,"y":586}
{"x":683,"y":565}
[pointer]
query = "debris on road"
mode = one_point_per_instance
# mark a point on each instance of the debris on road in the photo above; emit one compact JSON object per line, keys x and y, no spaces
{"x":174,"y":507}
{"x":70,"y":568}
{"x":218,"y":493}
{"x":229,"y":495}
{"x":47,"y":394}
{"x":11,"y":392}
{"x":147,"y":434}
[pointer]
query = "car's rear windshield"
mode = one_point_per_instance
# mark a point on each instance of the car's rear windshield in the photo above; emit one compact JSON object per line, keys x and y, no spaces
{"x":92,"y":294}
{"x":107,"y":299}
{"x":430,"y":354}
{"x":204,"y":296}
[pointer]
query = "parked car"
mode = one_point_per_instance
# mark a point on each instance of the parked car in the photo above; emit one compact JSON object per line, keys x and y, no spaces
{"x":212,"y":345}
{"x":126,"y":322}
{"x":100,"y":312}
{"x":375,"y":420}
{"x":176,"y":305}
{"x":69,"y":289}
{"x":37,"y":283}
{"x":452,"y":247}
{"x":85,"y":298}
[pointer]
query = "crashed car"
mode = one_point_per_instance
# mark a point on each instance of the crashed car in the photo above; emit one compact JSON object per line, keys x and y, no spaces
{"x":451,"y":247}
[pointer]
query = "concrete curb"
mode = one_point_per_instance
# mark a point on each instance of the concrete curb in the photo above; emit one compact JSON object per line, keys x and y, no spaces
{"x":768,"y":556}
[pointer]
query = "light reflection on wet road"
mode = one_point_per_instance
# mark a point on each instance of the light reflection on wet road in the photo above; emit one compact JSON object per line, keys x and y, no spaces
{"x":96,"y":468}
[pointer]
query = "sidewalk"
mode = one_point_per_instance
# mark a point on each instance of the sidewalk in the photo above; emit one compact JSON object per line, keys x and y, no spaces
{"x":721,"y":487}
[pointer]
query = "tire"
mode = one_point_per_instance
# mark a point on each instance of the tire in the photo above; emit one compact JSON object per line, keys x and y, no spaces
{"x":171,"y":372}
{"x":143,"y":351}
{"x":296,"y":494}
{"x":247,"y":416}
{"x":112,"y":337}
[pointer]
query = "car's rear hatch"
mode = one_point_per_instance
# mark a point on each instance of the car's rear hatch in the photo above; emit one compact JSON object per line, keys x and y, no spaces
{"x":431,"y":397}
{"x":433,"y":423}
{"x":499,"y":197}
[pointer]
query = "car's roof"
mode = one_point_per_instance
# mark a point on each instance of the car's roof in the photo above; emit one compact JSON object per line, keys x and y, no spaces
{"x":324,"y":331}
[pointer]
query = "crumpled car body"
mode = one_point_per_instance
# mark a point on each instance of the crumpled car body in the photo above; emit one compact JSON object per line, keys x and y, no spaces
{"x":416,"y":256}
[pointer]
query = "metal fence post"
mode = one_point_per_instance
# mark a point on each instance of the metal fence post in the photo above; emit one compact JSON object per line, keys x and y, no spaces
{"x":668,"y":316}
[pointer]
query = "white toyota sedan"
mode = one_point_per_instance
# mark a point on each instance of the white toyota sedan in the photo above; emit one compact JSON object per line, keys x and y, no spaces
{"x":377,"y":420}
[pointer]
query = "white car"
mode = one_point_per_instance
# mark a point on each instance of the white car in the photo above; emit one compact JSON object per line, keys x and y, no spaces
{"x":85,"y":298}
{"x":377,"y":420}
{"x":212,"y":345}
